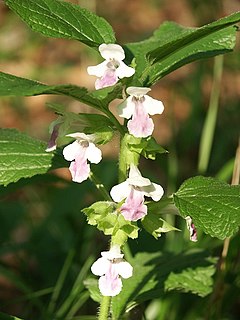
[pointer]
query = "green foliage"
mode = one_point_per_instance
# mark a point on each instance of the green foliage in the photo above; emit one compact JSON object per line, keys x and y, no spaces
{"x":96,"y":124}
{"x":179,"y":46}
{"x":16,"y":86}
{"x":154,"y":271}
{"x":105,"y":216}
{"x":155,"y":225}
{"x":148,"y":147}
{"x":4,"y":316}
{"x":60,"y":19}
{"x":22,"y":157}
{"x":212,"y":204}
{"x":198,"y":280}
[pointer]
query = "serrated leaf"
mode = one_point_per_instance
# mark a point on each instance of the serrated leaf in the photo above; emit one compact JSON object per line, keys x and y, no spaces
{"x":60,"y":19}
{"x":196,"y":280}
{"x":213,"y":205}
{"x":16,"y":86}
{"x":151,"y":272}
{"x":173,"y":46}
{"x":22,"y":157}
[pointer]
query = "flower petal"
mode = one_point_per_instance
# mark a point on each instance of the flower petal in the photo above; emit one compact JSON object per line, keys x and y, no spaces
{"x":125,"y":270}
{"x":141,"y":126}
{"x":155,"y":191}
{"x":120,"y":191}
{"x":108,"y":79}
{"x":97,"y":70}
{"x":136,"y":179}
{"x":110,"y":288}
{"x":79,"y":168}
{"x":93,"y":153}
{"x":113,"y":253}
{"x":70,"y":151}
{"x":192,"y":229}
{"x":126,"y":108}
{"x":100,"y":266}
{"x":124,"y":71}
{"x":81,"y":136}
{"x":133,"y":208}
{"x":152,"y":106}
{"x":137,"y":91}
{"x":111,"y":51}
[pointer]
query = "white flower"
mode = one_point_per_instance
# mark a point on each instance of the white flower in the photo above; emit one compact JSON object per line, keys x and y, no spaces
{"x":110,"y":267}
{"x":133,"y":190}
{"x":79,"y":151}
{"x":113,"y":68}
{"x":139,"y":106}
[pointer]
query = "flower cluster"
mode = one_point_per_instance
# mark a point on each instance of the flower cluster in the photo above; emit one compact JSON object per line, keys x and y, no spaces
{"x":137,"y":108}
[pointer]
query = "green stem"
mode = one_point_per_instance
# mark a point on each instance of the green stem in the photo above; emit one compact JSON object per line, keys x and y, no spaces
{"x":104,"y":308}
{"x":126,"y":157}
{"x":115,"y":121}
{"x":100,"y":187}
{"x":210,"y":122}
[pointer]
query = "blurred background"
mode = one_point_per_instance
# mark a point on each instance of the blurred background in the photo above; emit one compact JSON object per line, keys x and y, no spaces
{"x":41,"y":219}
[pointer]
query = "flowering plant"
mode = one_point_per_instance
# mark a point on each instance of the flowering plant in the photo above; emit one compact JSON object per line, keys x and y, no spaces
{"x":132,"y":205}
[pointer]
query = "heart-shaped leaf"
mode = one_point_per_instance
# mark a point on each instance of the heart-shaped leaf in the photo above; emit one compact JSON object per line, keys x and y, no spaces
{"x":213,"y":205}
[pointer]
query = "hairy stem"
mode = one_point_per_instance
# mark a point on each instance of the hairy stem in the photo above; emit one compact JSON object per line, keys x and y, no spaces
{"x":104,"y":308}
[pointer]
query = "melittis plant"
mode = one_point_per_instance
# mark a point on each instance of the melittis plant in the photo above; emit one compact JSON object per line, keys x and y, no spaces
{"x":135,"y":204}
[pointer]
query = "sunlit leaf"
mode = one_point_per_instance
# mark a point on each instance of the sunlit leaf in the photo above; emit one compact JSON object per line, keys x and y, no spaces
{"x":213,"y":205}
{"x":22,"y":157}
{"x":60,"y":19}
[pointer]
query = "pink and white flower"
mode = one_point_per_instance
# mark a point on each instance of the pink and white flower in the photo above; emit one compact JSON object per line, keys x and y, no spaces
{"x":139,"y":106}
{"x":110,"y":267}
{"x":134,"y":189}
{"x":192,"y":229}
{"x":112,"y":69}
{"x":78,"y":152}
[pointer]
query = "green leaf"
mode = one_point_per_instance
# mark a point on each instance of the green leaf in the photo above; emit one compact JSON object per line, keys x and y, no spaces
{"x":105,"y":216}
{"x":212,"y":204}
{"x":198,"y":281}
{"x":138,"y":50}
{"x":22,"y":157}
{"x":152,"y":270}
{"x":60,"y":19}
{"x":99,"y":99}
{"x":155,"y":225}
{"x":173,"y":46}
{"x":4,"y":316}
{"x":148,"y":147}
{"x":69,"y":122}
